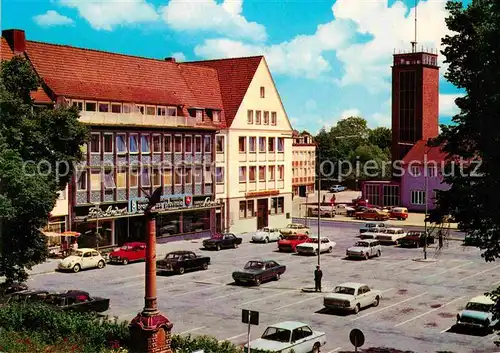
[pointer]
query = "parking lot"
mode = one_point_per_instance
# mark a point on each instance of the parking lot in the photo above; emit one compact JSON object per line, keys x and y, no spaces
{"x":419,"y":303}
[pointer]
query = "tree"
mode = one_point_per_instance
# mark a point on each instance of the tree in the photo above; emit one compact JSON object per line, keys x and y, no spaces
{"x":38,"y":149}
{"x":381,"y":137}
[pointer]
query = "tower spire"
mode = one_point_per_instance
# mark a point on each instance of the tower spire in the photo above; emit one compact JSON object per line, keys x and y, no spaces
{"x":414,"y":43}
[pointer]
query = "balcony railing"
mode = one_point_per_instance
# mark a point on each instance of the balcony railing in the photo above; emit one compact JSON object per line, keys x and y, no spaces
{"x":134,"y":119}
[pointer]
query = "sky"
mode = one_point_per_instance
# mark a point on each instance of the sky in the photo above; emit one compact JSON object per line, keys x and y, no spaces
{"x":330,"y":59}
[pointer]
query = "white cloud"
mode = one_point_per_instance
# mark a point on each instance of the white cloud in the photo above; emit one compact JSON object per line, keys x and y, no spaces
{"x":350,"y":112}
{"x":52,"y":18}
{"x":106,"y":14}
{"x":379,"y":120}
{"x":224,"y":19}
{"x":179,"y":56}
{"x":447,"y":106}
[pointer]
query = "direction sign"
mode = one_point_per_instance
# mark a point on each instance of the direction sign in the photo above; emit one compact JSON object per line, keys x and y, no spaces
{"x":250,"y":317}
{"x":357,"y":338}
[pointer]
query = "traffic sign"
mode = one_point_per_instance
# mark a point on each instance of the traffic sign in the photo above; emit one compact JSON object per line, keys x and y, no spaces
{"x":357,"y":338}
{"x":250,"y":317}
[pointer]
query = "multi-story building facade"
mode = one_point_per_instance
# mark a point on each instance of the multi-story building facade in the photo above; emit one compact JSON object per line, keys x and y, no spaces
{"x":254,"y":150}
{"x":303,"y":163}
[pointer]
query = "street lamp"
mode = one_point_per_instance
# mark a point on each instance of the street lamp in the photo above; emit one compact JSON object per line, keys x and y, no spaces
{"x":425,"y":200}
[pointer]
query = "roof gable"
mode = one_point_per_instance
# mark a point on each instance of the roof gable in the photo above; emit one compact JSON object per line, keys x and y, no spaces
{"x":418,"y":151}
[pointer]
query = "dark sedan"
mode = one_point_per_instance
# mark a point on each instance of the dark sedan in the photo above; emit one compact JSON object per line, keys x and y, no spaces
{"x":222,"y":241}
{"x":180,"y":261}
{"x":415,"y":239}
{"x":256,"y":272}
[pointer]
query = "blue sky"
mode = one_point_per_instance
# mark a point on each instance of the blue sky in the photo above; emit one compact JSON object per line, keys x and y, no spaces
{"x":329,"y":58}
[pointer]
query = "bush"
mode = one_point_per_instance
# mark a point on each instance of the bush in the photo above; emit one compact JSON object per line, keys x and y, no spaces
{"x":209,"y":344}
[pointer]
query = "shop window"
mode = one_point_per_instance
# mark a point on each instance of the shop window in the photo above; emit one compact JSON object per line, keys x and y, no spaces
{"x":178,"y":144}
{"x":197,"y":144}
{"x":108,"y":143}
{"x":188,"y":142}
{"x":109,"y":180}
{"x":168,"y":224}
{"x":95,"y":180}
{"x":156,"y":144}
{"x":262,"y":144}
{"x":145,"y":177}
{"x":167,"y":177}
{"x":274,"y":205}
{"x":121,"y":144}
{"x":196,"y":221}
{"x":219,"y":144}
{"x":167,"y":144}
{"x":207,"y":141}
{"x":250,"y":209}
{"x":103,"y":107}
{"x":271,"y":144}
{"x":262,"y":173}
{"x":121,"y":178}
{"x":134,"y":177}
{"x":243,"y":209}
{"x":133,"y":143}
{"x":145,"y":144}
{"x":281,"y":205}
{"x":81,"y":180}
{"x":95,"y":143}
{"x":219,"y":175}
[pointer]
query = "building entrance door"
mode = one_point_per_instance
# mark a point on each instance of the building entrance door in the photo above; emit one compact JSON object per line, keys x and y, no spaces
{"x":218,"y":222}
{"x":262,"y":213}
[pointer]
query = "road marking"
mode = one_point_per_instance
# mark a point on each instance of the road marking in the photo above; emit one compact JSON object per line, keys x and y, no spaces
{"x":227,"y":295}
{"x":450,"y":269}
{"x":336,"y":349}
{"x":388,"y":307}
{"x":428,"y":312}
{"x":232,"y":338}
{"x":415,"y":269}
{"x":269,"y":296}
{"x":196,"y":291}
{"x":475,"y":274}
{"x":446,"y":329}
{"x":300,"y":301}
{"x":397,"y":263}
{"x":192,"y":330}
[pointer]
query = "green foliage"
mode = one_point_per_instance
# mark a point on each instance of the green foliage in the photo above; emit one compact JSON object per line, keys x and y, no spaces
{"x":189,"y":344}
{"x":38,"y":149}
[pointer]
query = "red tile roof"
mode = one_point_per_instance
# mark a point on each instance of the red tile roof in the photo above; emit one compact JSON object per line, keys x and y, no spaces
{"x":417,"y":152}
{"x":6,"y":52}
{"x":235,"y":75}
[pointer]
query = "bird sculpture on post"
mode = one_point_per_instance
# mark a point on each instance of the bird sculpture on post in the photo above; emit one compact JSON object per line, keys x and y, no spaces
{"x":150,"y":330}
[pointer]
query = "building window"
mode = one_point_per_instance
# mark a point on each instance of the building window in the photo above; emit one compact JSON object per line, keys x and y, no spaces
{"x":266,"y":118}
{"x":271,"y":172}
{"x":262,"y":144}
{"x":156,"y":177}
{"x":250,"y":116}
{"x":188,"y":142}
{"x":156,"y":143}
{"x":140,"y":109}
{"x":81,"y":180}
{"x":415,"y":171}
{"x":188,"y":178}
{"x":127,"y":108}
{"x":274,"y":206}
{"x":121,"y":143}
{"x":281,"y":172}
{"x":198,"y":175}
{"x":262,"y":92}
{"x":208,"y":143}
{"x":178,"y":176}
{"x":418,"y":197}
{"x":109,"y":180}
{"x":108,"y":143}
{"x":251,"y":174}
{"x":219,"y":144}
{"x":116,"y":108}
{"x":167,"y":177}
{"x":219,"y":175}
{"x":281,"y":144}
{"x":95,"y":143}
{"x":150,"y":110}
{"x":121,"y":178}
{"x":197,"y":144}
{"x":133,"y":142}
{"x":199,"y":114}
{"x":257,"y":116}
{"x":262,"y":173}
{"x":250,"y":209}
{"x":171,"y":111}
{"x":145,"y":177}
{"x":103,"y":107}
{"x":167,"y":143}
{"x":177,"y":144}
{"x":391,"y":195}
{"x":209,"y":176}
{"x":161,"y":111}
{"x":242,"y":144}
{"x":252,"y":144}
{"x":145,"y":143}
{"x":431,"y":171}
{"x":216,"y":116}
{"x":281,"y":205}
{"x":243,"y":174}
{"x":90,"y":106}
{"x":95,"y":180}
{"x":133,"y":177}
{"x":273,"y":118}
{"x":78,"y":105}
{"x":271,"y":143}
{"x":407,"y":120}
{"x":243,"y":209}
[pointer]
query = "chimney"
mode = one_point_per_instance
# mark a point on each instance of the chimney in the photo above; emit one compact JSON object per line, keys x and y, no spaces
{"x":170,"y":59}
{"x":16,"y":39}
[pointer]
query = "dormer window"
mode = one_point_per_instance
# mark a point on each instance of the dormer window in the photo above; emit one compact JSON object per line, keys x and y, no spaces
{"x":216,"y":116}
{"x":103,"y":107}
{"x":161,"y":111}
{"x":171,"y":111}
{"x":199,"y":114}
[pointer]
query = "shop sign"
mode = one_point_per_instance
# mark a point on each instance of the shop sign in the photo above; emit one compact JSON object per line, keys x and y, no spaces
{"x":97,"y":212}
{"x":172,"y":202}
{"x":262,"y":193}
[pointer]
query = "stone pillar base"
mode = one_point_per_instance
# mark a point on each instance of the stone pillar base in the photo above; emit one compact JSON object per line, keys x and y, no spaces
{"x":150,"y":334}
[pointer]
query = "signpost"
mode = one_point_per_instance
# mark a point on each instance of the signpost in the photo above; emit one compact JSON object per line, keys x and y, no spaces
{"x":251,"y":318}
{"x":357,"y":338}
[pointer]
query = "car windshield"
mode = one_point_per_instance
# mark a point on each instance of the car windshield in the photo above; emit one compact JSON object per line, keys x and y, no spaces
{"x":312,"y":240}
{"x":277,"y":334}
{"x":362,"y":244}
{"x":479,"y":307}
{"x":390,"y":231}
{"x":173,"y":256}
{"x":254,"y":265}
{"x":264,"y":230}
{"x":344,"y":290}
{"x":126,"y":248}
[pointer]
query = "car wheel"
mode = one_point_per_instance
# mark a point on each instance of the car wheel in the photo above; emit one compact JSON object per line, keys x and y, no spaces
{"x":376,"y":302}
{"x":316,"y":348}
{"x":277,"y":277}
{"x":266,"y":240}
{"x":204,"y":266}
{"x":367,"y":256}
{"x":356,"y":309}
{"x":125,"y":261}
{"x":101,"y":264}
{"x":77,"y":268}
{"x":330,"y":249}
{"x":378,"y":253}
{"x":257,"y":281}
{"x":180,"y":270}
{"x":217,"y":247}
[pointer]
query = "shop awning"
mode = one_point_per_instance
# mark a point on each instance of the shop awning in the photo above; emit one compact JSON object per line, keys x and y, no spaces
{"x":52,"y":234}
{"x":70,"y":234}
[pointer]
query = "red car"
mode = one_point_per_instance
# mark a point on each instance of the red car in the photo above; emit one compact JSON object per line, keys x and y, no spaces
{"x":129,"y":252}
{"x":290,"y":242}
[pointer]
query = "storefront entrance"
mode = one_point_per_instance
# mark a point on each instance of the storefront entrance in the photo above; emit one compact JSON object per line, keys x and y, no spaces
{"x":262,"y":213}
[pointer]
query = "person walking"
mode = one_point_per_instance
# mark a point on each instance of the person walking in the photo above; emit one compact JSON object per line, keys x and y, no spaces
{"x":318,"y":275}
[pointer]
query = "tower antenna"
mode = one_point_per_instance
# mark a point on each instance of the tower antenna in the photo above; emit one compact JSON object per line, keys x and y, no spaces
{"x":414,"y":43}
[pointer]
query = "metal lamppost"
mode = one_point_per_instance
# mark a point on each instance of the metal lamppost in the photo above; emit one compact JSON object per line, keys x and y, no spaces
{"x":150,"y":330}
{"x":425,"y":200}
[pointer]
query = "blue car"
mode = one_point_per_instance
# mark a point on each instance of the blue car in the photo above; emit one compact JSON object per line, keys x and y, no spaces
{"x":337,"y":188}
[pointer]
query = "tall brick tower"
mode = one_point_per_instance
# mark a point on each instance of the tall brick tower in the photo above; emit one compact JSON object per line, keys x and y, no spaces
{"x":415,"y":98}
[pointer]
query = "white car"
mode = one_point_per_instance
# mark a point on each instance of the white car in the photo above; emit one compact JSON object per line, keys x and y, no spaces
{"x":352,"y":297}
{"x":344,"y":210}
{"x":478,"y":313}
{"x":372,"y":225}
{"x":288,"y":336}
{"x":371,"y":234}
{"x":391,"y":235}
{"x":266,"y":235}
{"x":82,"y":259}
{"x":365,"y":249}
{"x":310,"y":247}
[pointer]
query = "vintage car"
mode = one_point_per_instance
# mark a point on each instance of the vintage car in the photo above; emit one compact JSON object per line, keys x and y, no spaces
{"x":415,"y":239}
{"x":345,"y":210}
{"x":352,"y":297}
{"x":391,"y":235}
{"x":180,"y":261}
{"x":12,"y":288}
{"x":324,"y":211}
{"x":478,"y":313}
{"x":372,"y":233}
{"x":310,"y":247}
{"x":295,"y":228}
{"x":256,"y":272}
{"x":290,"y":242}
{"x":82,"y":259}
{"x":288,"y":336}
{"x":337,"y":188}
{"x":29,"y":296}
{"x":222,"y":241}
{"x":364,"y":249}
{"x":129,"y":252}
{"x":400,"y":213}
{"x":372,"y":214}
{"x":77,"y":300}
{"x":265,"y":235}
{"x":371,"y":226}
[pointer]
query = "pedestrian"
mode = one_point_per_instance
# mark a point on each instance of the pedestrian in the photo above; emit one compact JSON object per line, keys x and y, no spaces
{"x":318,"y":274}
{"x":440,"y":238}
{"x":324,"y":197}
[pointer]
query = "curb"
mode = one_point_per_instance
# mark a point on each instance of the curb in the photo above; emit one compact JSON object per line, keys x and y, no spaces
{"x":363,"y":221}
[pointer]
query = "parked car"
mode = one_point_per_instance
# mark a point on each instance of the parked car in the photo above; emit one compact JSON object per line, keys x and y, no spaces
{"x":257,"y":272}
{"x":372,"y":233}
{"x":266,"y":235}
{"x":28,"y":296}
{"x":290,"y":242}
{"x":364,"y":249}
{"x":180,"y":261}
{"x":352,"y":297}
{"x":391,"y":235}
{"x":310,"y":247}
{"x":222,"y":241}
{"x":129,"y":252}
{"x":77,"y":300}
{"x":287,"y":336}
{"x":478,"y":313}
{"x":82,"y":259}
{"x":295,"y":228}
{"x":345,"y":210}
{"x":415,"y":239}
{"x":337,"y":188}
{"x":372,"y":214}
{"x":400,"y":213}
{"x":371,"y":226}
{"x":325,"y":211}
